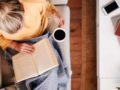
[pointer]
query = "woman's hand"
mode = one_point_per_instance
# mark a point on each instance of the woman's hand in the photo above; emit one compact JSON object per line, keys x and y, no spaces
{"x":22,"y":47}
{"x":59,"y":20}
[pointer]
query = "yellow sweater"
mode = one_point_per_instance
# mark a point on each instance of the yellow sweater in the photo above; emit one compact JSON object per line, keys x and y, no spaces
{"x":35,"y":22}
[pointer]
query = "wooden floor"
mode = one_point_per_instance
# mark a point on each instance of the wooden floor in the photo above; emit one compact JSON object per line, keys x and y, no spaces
{"x":75,"y":7}
{"x":83,"y":44}
{"x":89,"y":77}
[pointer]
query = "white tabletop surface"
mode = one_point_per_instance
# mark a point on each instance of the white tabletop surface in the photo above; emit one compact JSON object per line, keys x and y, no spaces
{"x":108,"y":84}
{"x":108,"y":45}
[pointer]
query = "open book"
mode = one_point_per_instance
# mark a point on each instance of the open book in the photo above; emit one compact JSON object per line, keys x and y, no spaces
{"x":43,"y":59}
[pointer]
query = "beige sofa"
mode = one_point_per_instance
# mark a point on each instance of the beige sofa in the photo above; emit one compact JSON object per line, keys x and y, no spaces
{"x":65,"y":47}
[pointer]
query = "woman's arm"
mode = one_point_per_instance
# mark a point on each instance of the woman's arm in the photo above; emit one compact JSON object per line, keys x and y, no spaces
{"x":20,"y":47}
{"x":54,"y":12}
{"x":4,"y":43}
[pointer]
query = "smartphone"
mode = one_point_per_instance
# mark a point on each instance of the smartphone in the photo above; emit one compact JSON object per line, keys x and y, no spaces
{"x":110,"y":7}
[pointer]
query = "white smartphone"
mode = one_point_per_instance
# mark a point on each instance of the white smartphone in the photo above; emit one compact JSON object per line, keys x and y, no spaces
{"x":110,"y":7}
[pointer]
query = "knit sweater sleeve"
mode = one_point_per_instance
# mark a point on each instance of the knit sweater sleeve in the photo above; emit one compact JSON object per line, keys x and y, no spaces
{"x":4,"y":43}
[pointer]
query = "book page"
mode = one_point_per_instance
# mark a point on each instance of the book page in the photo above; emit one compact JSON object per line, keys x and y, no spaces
{"x":23,"y":67}
{"x":44,"y":57}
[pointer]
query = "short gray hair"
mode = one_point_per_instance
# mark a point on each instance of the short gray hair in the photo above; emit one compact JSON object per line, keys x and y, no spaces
{"x":11,"y":16}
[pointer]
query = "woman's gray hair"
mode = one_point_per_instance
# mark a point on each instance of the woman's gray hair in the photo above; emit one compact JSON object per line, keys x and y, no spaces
{"x":11,"y":16}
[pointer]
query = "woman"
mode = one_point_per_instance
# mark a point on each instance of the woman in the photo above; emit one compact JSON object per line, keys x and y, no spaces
{"x":24,"y":20}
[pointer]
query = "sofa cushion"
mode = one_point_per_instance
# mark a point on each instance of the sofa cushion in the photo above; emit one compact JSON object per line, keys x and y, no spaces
{"x":65,"y":46}
{"x":59,"y":2}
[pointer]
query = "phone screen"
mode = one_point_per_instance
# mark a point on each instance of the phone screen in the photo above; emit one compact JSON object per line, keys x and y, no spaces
{"x":111,"y":7}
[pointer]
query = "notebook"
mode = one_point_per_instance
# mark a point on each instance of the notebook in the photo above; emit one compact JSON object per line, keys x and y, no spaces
{"x":27,"y":66}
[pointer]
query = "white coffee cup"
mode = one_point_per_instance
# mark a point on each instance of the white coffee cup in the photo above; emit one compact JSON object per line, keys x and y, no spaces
{"x":59,"y":34}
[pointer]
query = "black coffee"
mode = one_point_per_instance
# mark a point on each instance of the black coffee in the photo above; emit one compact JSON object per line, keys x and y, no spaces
{"x":59,"y":34}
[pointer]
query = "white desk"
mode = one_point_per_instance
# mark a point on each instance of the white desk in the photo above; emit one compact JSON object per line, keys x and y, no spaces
{"x":108,"y":50}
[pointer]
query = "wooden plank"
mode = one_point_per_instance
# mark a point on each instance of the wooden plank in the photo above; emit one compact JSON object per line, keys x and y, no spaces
{"x":76,"y":13}
{"x":76,"y":71}
{"x":75,"y":27}
{"x":76,"y":84}
{"x":74,"y":3}
{"x":75,"y":7}
{"x":88,"y":76}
